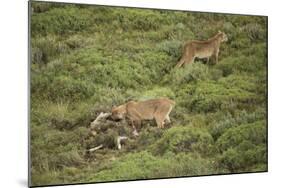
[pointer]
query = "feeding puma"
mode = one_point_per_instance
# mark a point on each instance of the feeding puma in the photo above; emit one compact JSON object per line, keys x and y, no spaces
{"x":158,"y":109}
{"x":202,"y":49}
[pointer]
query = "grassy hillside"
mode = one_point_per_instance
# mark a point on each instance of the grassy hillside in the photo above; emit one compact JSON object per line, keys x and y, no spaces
{"x":87,"y":58}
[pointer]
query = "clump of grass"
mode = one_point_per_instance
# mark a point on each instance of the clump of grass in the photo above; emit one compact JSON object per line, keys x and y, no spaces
{"x":183,"y":139}
{"x":190,"y":73}
{"x":172,"y":48}
{"x":243,"y":146}
{"x":45,"y":49}
{"x":144,"y":165}
{"x":61,"y":21}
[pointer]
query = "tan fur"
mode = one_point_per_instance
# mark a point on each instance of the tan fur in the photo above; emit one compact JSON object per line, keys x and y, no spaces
{"x":202,"y":49}
{"x":158,"y":109}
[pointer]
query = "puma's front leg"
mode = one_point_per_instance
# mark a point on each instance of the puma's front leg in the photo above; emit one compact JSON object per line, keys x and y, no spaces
{"x":134,"y":124}
{"x":208,"y":58}
{"x":217,"y":56}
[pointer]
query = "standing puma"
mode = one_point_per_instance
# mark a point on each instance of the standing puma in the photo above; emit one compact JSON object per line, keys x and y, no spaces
{"x":202,"y":49}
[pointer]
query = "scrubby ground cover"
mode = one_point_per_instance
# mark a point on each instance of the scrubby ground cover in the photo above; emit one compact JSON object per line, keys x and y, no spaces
{"x":87,"y":58}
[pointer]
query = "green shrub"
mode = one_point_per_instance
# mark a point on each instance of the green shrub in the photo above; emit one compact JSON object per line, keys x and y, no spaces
{"x":71,"y":158}
{"x":45,"y":49}
{"x":211,"y":96}
{"x":143,"y":165}
{"x":154,"y":64}
{"x":240,"y":64}
{"x":61,"y":21}
{"x":70,"y":88}
{"x":40,"y":7}
{"x":63,"y":149}
{"x":156,"y":93}
{"x":242,"y":43}
{"x":184,"y":139}
{"x":244,"y":160}
{"x":225,"y":68}
{"x":47,"y":178}
{"x":243,"y":147}
{"x":63,"y":116}
{"x":143,"y":20}
{"x":215,"y":74}
{"x":227,"y":120}
{"x":181,"y":32}
{"x":253,"y":132}
{"x":77,"y":41}
{"x":190,"y":73}
{"x":148,"y":135}
{"x":172,"y":48}
{"x":255,"y":31}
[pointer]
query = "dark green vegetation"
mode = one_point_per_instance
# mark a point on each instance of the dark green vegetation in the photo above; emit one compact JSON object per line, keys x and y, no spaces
{"x":87,"y":58}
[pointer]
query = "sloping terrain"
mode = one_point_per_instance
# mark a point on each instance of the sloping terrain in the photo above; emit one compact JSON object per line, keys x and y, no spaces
{"x":85,"y":59}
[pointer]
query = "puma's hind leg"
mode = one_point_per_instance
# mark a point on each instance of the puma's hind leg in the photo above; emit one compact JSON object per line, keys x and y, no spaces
{"x":160,"y":121}
{"x":160,"y":117}
{"x":185,"y":60}
{"x":189,"y":60}
{"x":180,"y":63}
{"x":167,"y":118}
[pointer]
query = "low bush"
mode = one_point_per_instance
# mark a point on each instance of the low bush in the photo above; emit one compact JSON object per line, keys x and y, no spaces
{"x":156,"y":93}
{"x":40,"y":7}
{"x":253,"y":132}
{"x":45,"y":49}
{"x":142,"y":20}
{"x":240,"y":64}
{"x":244,"y":158}
{"x":255,"y":31}
{"x":61,"y":21}
{"x":143,"y":165}
{"x":184,"y":139}
{"x":172,"y":48}
{"x":228,"y":120}
{"x":211,"y":96}
{"x":190,"y":73}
